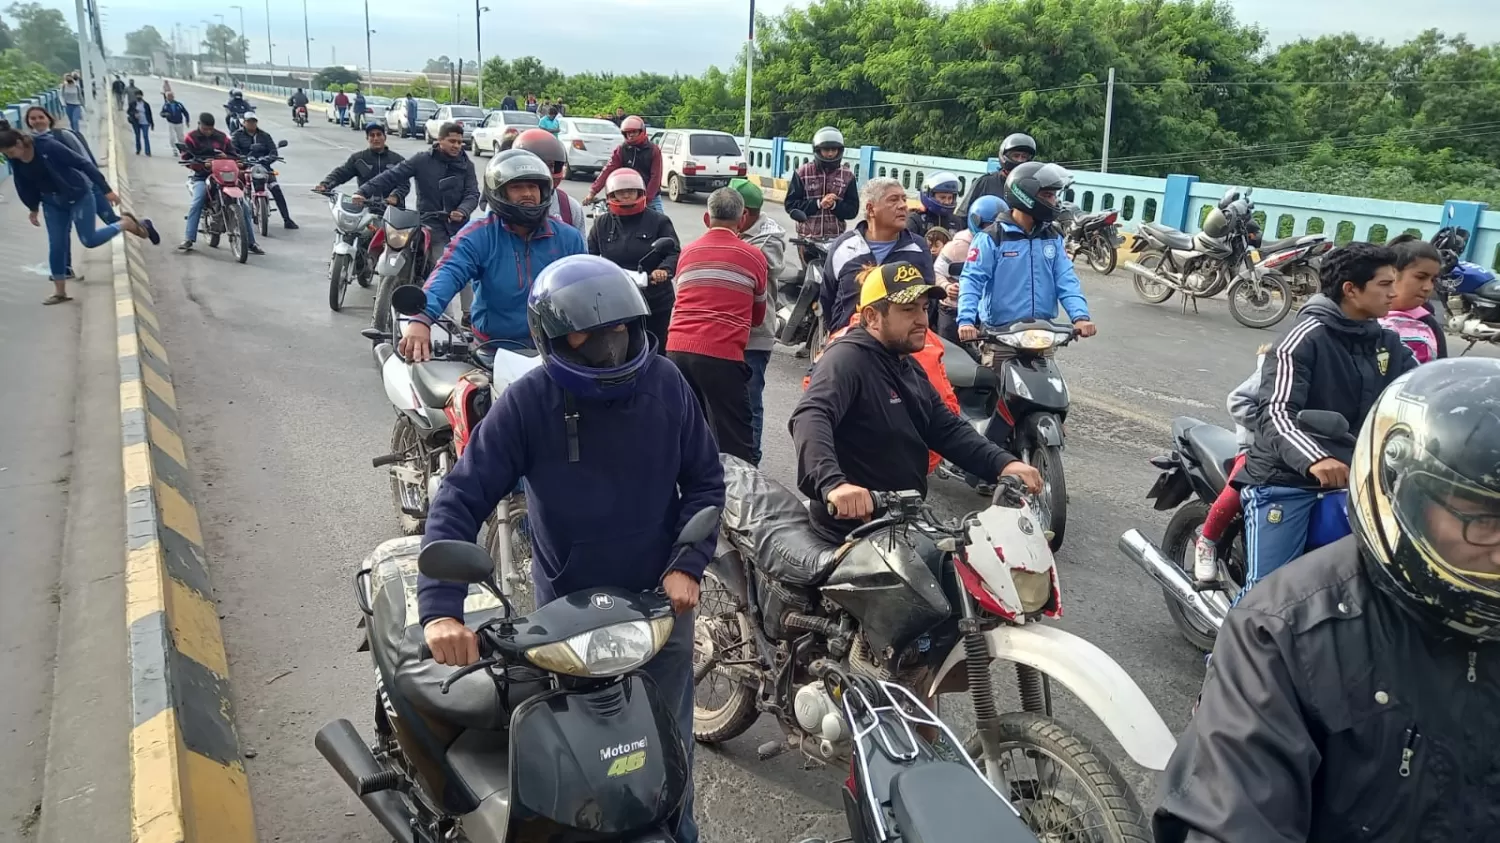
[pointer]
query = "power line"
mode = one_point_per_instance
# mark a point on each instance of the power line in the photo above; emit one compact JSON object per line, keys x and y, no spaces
{"x":1362,"y":145}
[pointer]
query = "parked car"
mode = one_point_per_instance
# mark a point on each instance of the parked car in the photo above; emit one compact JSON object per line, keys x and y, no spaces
{"x":589,"y":142}
{"x":698,"y":159}
{"x":376,"y":106}
{"x":499,"y":125}
{"x":468,"y":116}
{"x":395,"y":117}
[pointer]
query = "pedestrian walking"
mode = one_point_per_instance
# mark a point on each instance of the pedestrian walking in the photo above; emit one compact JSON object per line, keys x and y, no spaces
{"x":141,"y":121}
{"x":166,"y":89}
{"x":72,"y":98}
{"x":341,"y":104}
{"x":117,"y":88}
{"x":176,"y":115}
{"x":57,"y":183}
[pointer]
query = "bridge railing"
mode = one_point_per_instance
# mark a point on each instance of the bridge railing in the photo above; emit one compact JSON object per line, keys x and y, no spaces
{"x":13,"y":112}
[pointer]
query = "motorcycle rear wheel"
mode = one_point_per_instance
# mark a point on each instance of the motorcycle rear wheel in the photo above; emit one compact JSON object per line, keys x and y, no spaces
{"x":1101,"y":257}
{"x":722,"y":630}
{"x":1177,"y":545}
{"x":1150,"y":291}
{"x":338,"y":282}
{"x":1038,"y":742}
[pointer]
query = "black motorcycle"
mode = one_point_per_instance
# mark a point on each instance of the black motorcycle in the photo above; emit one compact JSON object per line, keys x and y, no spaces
{"x":1096,"y":236}
{"x":554,"y":734}
{"x":799,"y":321}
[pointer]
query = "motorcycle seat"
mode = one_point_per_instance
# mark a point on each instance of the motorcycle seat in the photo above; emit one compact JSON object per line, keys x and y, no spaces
{"x":945,"y":802}
{"x":772,"y":519}
{"x":1173,"y":238}
{"x":1290,"y":242}
{"x":434,"y":380}
{"x":1215,"y":448}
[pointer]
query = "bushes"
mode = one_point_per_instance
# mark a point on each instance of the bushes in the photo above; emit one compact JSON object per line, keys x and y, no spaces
{"x":20,"y":78}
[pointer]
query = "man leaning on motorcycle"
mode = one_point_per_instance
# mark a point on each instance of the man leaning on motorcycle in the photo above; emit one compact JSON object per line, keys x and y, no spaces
{"x":1354,"y":694}
{"x":447,"y":189}
{"x":869,"y":415}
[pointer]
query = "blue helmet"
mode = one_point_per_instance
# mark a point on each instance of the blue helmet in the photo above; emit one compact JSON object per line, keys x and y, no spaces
{"x":588,"y":294}
{"x":984,"y":210}
{"x":935,"y":184}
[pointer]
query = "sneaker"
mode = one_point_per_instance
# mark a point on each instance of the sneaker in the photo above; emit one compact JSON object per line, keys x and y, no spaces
{"x":185,"y":246}
{"x":255,"y":249}
{"x":1205,"y":560}
{"x":290,"y":226}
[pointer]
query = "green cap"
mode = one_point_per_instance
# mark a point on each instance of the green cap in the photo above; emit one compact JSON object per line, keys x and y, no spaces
{"x":754,"y":199}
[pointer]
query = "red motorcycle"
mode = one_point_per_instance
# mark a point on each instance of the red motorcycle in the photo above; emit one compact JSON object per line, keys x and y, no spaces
{"x":299,"y":115}
{"x":256,"y":179}
{"x":225,"y":212}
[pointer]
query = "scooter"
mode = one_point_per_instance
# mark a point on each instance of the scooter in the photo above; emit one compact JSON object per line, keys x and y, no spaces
{"x":353,"y":228}
{"x":798,"y":320}
{"x":554,"y":734}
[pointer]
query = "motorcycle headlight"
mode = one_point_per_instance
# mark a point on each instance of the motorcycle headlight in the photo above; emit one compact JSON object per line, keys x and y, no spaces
{"x":607,"y":651}
{"x":396,"y":237}
{"x":1030,"y":340}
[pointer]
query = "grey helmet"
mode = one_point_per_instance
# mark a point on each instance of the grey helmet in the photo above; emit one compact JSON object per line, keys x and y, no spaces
{"x":1024,"y":186}
{"x":515,"y":165}
{"x":1015,"y":143}
{"x":828,"y":138}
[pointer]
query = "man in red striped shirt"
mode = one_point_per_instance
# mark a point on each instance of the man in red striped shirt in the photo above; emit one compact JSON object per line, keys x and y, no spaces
{"x":721,"y":294}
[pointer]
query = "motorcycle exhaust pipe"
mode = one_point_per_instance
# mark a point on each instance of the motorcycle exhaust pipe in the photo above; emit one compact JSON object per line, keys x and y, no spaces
{"x":1171,"y":578}
{"x":1132,"y":266}
{"x":339,"y":742}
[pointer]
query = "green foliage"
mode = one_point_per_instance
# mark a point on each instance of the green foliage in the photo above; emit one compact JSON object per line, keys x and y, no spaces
{"x":222,"y":43}
{"x":21,"y":78}
{"x":334,"y":77}
{"x":145,"y":42}
{"x":7,"y":39}
{"x":43,"y":36}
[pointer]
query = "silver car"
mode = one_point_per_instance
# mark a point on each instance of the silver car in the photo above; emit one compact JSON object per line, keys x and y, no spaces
{"x":467,"y":116}
{"x":589,"y":142}
{"x":395,"y":118}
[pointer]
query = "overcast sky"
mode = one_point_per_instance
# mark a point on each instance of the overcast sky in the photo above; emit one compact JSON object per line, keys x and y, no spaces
{"x":658,"y":35}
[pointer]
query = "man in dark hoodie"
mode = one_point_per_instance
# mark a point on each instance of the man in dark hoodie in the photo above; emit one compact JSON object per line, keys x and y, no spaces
{"x":869,"y":415}
{"x":447,"y":189}
{"x":617,"y":458}
{"x":1337,"y":358}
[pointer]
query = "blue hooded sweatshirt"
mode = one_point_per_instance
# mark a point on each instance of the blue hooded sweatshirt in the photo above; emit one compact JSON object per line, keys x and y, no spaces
{"x":501,"y":264}
{"x":647,"y":464}
{"x":1013,"y":274}
{"x":55,"y":170}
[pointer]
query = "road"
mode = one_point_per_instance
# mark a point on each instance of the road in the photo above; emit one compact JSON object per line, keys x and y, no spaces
{"x":283,"y":410}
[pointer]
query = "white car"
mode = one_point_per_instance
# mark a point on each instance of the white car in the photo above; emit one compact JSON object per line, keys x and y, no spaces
{"x":590,"y":143}
{"x":467,"y":116}
{"x":395,"y":118}
{"x":499,"y":126}
{"x":694,"y":160}
{"x":377,"y":106}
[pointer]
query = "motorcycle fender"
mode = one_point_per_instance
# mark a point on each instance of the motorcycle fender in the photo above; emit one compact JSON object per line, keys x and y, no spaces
{"x":396,"y":375}
{"x":1171,"y":488}
{"x":1034,"y":383}
{"x":1047,"y":430}
{"x":811,"y":284}
{"x":343,"y":248}
{"x":1090,"y":675}
{"x":392,"y":261}
{"x":234,"y":193}
{"x":728,"y":568}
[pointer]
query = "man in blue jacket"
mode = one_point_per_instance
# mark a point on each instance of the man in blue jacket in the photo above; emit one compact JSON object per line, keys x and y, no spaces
{"x":617,"y":458}
{"x":500,"y":254}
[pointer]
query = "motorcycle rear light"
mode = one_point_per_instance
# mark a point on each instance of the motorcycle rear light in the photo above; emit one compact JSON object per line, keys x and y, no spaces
{"x":1113,"y":215}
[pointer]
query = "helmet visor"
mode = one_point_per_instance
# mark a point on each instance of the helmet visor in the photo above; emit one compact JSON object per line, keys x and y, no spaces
{"x":1454,"y":524}
{"x":586,"y":307}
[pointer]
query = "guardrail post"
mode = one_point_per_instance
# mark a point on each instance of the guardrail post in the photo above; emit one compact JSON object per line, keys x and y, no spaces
{"x":867,"y":163}
{"x":1174,"y":203}
{"x":778,"y":162}
{"x":1464,"y":215}
{"x":992,"y":165}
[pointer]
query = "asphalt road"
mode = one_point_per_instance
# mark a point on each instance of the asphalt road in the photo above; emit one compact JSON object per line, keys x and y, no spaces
{"x":283,"y":410}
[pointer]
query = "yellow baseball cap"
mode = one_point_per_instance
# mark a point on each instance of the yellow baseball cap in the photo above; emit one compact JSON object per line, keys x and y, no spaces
{"x":899,"y":283}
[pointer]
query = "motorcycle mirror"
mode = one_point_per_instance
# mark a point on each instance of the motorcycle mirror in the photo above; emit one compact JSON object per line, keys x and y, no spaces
{"x":281,"y":144}
{"x":664,"y":246}
{"x":409,"y":300}
{"x":1324,"y":423}
{"x":702,"y":525}
{"x":797,"y":215}
{"x":455,"y":561}
{"x":955,"y":270}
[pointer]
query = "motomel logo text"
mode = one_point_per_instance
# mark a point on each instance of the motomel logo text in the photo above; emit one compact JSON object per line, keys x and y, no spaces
{"x":622,"y":749}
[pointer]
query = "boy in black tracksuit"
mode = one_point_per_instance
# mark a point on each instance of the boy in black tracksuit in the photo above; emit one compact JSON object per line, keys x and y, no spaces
{"x":1337,"y":358}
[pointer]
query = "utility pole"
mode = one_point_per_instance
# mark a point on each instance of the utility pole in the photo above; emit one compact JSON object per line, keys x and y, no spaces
{"x":306,"y":36}
{"x":479,"y":45}
{"x":244,"y":42}
{"x":369,"y":60}
{"x":270,"y":59}
{"x":749,"y":78}
{"x":1109,"y":119}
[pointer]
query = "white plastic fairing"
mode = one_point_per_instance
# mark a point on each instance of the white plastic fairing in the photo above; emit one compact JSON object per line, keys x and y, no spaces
{"x":1015,"y":534}
{"x":396,"y":375}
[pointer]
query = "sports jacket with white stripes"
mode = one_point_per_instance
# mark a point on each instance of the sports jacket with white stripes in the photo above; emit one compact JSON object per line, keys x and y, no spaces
{"x":1326,"y":362}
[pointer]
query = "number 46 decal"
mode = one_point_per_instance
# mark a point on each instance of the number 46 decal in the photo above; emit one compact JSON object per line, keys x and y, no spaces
{"x":626,"y":764}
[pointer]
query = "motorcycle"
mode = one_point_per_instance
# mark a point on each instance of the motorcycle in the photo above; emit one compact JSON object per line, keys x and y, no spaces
{"x":402,"y":243}
{"x":354,"y":226}
{"x":660,"y":249}
{"x":1198,"y":468}
{"x":225,"y":212}
{"x":554,"y":734}
{"x":1205,"y":264}
{"x":233,"y":123}
{"x":1297,"y":259}
{"x":798,"y":320}
{"x":1469,"y":291}
{"x":906,"y":599}
{"x":1096,"y":236}
{"x":439,"y":403}
{"x":299,"y":115}
{"x":899,"y":788}
{"x":257,"y":177}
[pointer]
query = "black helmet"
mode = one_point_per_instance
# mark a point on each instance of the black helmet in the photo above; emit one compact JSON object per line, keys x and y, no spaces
{"x":1024,"y":186}
{"x":1424,"y":493}
{"x":516,"y":165}
{"x":587,"y":293}
{"x":1017,"y":142}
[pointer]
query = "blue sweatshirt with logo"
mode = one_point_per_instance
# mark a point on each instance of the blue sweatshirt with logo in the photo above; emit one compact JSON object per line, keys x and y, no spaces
{"x":1013,"y":274}
{"x":647,"y":463}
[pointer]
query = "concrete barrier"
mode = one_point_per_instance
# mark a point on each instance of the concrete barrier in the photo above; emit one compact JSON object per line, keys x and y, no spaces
{"x":187,"y":782}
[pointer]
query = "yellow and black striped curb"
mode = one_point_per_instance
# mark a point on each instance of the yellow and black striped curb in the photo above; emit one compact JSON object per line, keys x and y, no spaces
{"x":774,"y":189}
{"x":187,"y":781}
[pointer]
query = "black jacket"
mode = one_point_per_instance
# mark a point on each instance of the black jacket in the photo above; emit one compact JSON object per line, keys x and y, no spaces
{"x":258,"y":145}
{"x":869,"y":417}
{"x":989,"y":184}
{"x":508,"y":104}
{"x":1326,"y":362}
{"x":1331,"y":713}
{"x":297,"y":99}
{"x":624,"y":240}
{"x":366,"y":164}
{"x":444,"y":184}
{"x":917,"y":222}
{"x":848,"y":255}
{"x":846,"y":208}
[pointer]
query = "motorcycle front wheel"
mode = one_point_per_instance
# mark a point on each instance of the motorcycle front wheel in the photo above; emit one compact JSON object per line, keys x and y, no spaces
{"x":381,"y":318}
{"x":338,"y":282}
{"x":723,"y":703}
{"x":404,"y":440}
{"x":263,"y":215}
{"x":522,"y":597}
{"x":1152,"y":292}
{"x":237,"y":226}
{"x":1053,"y":502}
{"x":1260,"y":300}
{"x":1062,"y":786}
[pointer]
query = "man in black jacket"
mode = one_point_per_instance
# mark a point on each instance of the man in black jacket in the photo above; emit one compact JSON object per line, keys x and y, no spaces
{"x":367,"y":164}
{"x":447,"y":189}
{"x":1015,"y":150}
{"x":869,"y":415}
{"x":1356,"y":694}
{"x":1337,"y":358}
{"x":882,"y":238}
{"x":251,"y":142}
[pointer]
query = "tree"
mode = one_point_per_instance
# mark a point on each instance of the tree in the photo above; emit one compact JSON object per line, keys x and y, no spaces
{"x":440,"y":65}
{"x":21,"y":78}
{"x":7,"y":40}
{"x":334,"y":75}
{"x":146,"y":41}
{"x":43,"y":36}
{"x":222,"y":43}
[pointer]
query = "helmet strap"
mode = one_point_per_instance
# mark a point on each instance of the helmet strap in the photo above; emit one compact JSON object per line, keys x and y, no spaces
{"x":570,"y":420}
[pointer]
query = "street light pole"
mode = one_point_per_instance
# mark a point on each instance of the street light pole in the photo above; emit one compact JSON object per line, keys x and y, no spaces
{"x":244,"y":41}
{"x":479,"y":45}
{"x":306,"y":36}
{"x":369,"y":60}
{"x":749,"y":77}
{"x":270,"y":57}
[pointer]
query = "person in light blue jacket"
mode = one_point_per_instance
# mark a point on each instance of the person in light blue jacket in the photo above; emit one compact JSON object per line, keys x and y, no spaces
{"x":1017,"y":268}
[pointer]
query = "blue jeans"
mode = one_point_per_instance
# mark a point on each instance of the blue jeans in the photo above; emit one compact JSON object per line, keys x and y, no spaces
{"x":142,"y":138}
{"x":62,"y":217}
{"x":656,"y":205}
{"x":103,"y":209}
{"x":343,"y":113}
{"x":757,"y":361}
{"x":1276,"y":522}
{"x":195,"y":212}
{"x":75,"y":116}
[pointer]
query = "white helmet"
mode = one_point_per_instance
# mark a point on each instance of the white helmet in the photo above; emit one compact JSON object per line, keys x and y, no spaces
{"x":828,"y":136}
{"x":248,"y":116}
{"x":236,"y":93}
